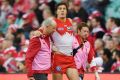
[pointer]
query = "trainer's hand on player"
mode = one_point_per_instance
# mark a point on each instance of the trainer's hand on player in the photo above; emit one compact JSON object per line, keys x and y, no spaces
{"x":31,"y":78}
{"x":54,"y":48}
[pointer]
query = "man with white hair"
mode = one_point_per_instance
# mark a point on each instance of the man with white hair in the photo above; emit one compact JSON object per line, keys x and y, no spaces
{"x":38,"y":56}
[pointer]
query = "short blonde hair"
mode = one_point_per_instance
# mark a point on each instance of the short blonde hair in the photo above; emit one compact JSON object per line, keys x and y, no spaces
{"x":49,"y":22}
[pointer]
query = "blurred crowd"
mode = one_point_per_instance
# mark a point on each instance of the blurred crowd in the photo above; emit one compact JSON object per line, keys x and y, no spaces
{"x":19,"y":18}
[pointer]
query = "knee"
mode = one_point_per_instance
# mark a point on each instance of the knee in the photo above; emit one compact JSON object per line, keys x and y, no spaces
{"x":72,"y":74}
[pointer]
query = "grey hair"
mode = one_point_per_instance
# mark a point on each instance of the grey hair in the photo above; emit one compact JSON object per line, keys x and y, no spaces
{"x":49,"y":22}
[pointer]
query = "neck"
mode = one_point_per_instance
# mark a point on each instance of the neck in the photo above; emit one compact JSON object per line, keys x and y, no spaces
{"x":83,"y":39}
{"x":118,"y":59}
{"x":106,"y":60}
{"x":113,"y":26}
{"x":99,"y":50}
{"x":44,"y":31}
{"x":62,"y":19}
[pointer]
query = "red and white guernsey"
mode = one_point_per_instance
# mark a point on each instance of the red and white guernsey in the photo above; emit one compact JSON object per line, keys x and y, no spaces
{"x":63,"y":37}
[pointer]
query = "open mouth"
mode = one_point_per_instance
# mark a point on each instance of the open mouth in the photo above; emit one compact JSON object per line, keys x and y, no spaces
{"x":62,"y":13}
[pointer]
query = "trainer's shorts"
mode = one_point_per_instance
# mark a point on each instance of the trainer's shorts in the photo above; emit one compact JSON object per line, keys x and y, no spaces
{"x":40,"y":76}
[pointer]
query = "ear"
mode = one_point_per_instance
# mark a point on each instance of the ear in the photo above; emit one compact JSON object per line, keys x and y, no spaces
{"x":47,"y":26}
{"x":56,"y":12}
{"x":43,"y":28}
{"x":78,"y":31}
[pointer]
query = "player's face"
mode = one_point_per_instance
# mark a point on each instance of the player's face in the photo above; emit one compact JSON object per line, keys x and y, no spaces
{"x":84,"y":32}
{"x":61,"y":11}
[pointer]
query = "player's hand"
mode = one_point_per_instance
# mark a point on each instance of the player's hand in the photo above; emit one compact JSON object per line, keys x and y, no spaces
{"x":97,"y":76}
{"x":31,"y":78}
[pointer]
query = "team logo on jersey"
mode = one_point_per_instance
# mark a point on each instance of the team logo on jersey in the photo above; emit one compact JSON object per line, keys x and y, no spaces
{"x":69,"y":28}
{"x":58,"y":68}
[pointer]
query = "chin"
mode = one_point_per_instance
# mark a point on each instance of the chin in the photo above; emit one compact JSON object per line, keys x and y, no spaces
{"x":51,"y":32}
{"x":84,"y":38}
{"x":62,"y":17}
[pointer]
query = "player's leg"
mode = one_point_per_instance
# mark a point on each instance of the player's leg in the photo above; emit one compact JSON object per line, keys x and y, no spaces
{"x":72,"y":74}
{"x":57,"y":76}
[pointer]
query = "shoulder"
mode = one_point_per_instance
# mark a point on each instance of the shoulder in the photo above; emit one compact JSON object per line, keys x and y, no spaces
{"x":34,"y":43}
{"x":78,"y":38}
{"x":70,"y":20}
{"x":55,"y":19}
{"x":34,"y":39}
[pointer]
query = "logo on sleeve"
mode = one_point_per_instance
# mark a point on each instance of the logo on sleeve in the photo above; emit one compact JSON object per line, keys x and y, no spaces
{"x":60,"y":29}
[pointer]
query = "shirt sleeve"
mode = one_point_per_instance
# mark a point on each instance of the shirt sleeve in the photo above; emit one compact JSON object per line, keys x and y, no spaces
{"x":33,"y":49}
{"x":91,"y":54}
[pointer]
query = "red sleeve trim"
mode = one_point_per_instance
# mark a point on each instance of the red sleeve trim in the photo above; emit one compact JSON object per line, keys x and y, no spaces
{"x":94,"y":68}
{"x":91,"y":54}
